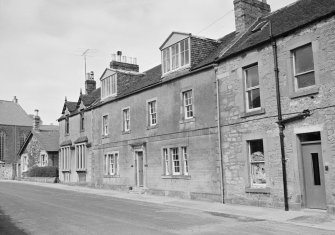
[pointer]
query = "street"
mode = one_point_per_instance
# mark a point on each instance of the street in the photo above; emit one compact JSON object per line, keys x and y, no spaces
{"x":30,"y":209}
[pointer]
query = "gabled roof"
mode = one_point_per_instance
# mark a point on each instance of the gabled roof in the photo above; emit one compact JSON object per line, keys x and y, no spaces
{"x":284,"y":21}
{"x":12,"y":114}
{"x":71,"y":106}
{"x":48,"y":139}
{"x":180,"y":34}
{"x":89,"y":99}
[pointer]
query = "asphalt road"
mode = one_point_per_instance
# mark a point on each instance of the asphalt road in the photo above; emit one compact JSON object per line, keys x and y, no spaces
{"x":30,"y":209}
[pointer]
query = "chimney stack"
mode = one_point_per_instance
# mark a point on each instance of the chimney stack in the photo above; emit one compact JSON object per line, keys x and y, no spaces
{"x":247,"y":12}
{"x":125,"y":63}
{"x":15,"y":100}
{"x":37,"y":121}
{"x":90,"y":83}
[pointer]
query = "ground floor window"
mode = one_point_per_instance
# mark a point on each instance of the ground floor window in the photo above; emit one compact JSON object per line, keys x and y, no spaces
{"x":44,"y":160}
{"x":175,"y":161}
{"x":111,"y":164}
{"x":80,"y":153}
{"x":65,"y":158}
{"x":257,"y":163}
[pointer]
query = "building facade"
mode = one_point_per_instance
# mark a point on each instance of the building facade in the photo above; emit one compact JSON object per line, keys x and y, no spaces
{"x":245,"y":119}
{"x":15,"y":126}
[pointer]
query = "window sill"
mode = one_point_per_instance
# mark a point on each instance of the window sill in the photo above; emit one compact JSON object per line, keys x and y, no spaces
{"x":126,"y":132}
{"x":66,"y":171}
{"x":187,"y":120}
{"x":111,"y":176}
{"x":81,"y":170}
{"x":152,"y":127}
{"x":265,"y":190}
{"x":253,"y":113}
{"x":105,"y":136}
{"x":185,"y":177}
{"x":81,"y":131}
{"x":305,"y":92}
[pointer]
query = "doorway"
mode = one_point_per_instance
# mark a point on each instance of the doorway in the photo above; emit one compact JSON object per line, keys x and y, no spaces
{"x":139,"y":168}
{"x":313,"y":171}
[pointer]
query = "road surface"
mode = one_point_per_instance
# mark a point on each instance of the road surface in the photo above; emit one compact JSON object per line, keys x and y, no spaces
{"x":31,"y":209}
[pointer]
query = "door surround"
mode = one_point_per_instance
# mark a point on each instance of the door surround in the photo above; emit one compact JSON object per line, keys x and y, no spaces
{"x":136,"y":150}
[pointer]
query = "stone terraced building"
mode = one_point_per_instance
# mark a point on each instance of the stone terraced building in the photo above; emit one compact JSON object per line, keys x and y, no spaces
{"x":244,"y":119}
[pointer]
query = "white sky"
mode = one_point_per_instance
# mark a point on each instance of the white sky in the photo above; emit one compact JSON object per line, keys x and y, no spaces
{"x":41,"y":41}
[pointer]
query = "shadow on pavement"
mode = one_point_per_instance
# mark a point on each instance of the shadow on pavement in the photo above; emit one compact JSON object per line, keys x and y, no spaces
{"x":8,"y":227}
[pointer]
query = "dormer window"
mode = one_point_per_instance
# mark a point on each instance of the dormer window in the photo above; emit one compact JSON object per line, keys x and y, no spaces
{"x":176,"y":56}
{"x":109,"y":86}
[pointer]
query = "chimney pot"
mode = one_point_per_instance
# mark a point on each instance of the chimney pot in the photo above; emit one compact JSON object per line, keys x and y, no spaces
{"x":36,"y":122}
{"x":15,"y":100}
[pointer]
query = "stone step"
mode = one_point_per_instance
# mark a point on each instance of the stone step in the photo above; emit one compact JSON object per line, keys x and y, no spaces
{"x":137,"y":190}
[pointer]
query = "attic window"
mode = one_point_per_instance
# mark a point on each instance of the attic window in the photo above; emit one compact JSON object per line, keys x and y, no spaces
{"x":109,"y":86}
{"x":176,"y":56}
{"x":259,"y":26}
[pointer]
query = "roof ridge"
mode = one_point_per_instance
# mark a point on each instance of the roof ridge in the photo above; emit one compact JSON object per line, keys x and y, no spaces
{"x":280,"y":9}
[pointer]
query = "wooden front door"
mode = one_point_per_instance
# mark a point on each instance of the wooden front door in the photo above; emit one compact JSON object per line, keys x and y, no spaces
{"x":139,"y":165}
{"x":314,"y":176}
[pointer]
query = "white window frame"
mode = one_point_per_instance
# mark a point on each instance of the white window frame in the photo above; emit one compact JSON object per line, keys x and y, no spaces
{"x":81,"y":159}
{"x":295,"y":82}
{"x":252,"y":184}
{"x":109,"y":86}
{"x":65,"y":158}
{"x":111,"y":168}
{"x":172,"y":56}
{"x":152,"y":109}
{"x":43,"y":159}
{"x":188,"y":104}
{"x":126,"y":119}
{"x":174,"y":158}
{"x":247,"y":90}
{"x":105,"y":125}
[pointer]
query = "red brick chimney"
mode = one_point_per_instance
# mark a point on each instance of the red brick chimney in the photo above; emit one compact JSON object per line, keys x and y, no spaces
{"x":90,"y":83}
{"x":125,"y":63}
{"x":247,"y":12}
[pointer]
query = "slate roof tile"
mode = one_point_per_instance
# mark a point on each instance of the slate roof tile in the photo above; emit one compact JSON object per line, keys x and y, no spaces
{"x":12,"y":114}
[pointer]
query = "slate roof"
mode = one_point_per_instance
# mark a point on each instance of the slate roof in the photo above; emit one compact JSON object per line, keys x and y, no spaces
{"x":284,"y":21}
{"x":12,"y":114}
{"x":49,"y":140}
{"x":89,"y":99}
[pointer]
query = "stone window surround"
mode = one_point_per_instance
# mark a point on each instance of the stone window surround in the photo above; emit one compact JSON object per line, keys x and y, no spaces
{"x":245,"y":152}
{"x":171,"y":175}
{"x":249,"y":60}
{"x":81,"y":157}
{"x":46,"y":160}
{"x":149,"y":126}
{"x":65,"y":158}
{"x":103,"y":134}
{"x":290,"y":46}
{"x":2,"y":144}
{"x":117,"y":167}
{"x":182,"y":108}
{"x":67,"y":125}
{"x":82,"y":121}
{"x":124,"y":131}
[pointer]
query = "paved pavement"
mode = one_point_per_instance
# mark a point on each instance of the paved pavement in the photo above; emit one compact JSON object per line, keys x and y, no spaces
{"x":147,"y":214}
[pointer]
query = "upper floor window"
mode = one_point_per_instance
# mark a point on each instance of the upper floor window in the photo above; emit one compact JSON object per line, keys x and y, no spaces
{"x":188,"y":104}
{"x":252,"y":90}
{"x":109,"y":86}
{"x":2,"y":145}
{"x":303,"y":66}
{"x":105,"y":125}
{"x":82,"y":122}
{"x":176,"y":56}
{"x":126,"y":119}
{"x":67,"y":126}
{"x":80,"y":153}
{"x":152,"y":112}
{"x":257,"y":163}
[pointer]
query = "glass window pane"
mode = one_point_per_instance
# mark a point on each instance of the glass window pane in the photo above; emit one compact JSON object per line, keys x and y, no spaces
{"x":251,"y":75}
{"x":258,"y":173}
{"x":304,"y":59}
{"x":256,"y":146}
{"x":305,"y":80}
{"x":254,"y":99}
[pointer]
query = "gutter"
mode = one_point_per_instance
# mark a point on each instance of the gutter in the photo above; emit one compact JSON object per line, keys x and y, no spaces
{"x":280,"y":117}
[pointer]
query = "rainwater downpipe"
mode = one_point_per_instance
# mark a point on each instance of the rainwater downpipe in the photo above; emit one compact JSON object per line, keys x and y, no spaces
{"x":219,"y":129}
{"x":280,"y":117}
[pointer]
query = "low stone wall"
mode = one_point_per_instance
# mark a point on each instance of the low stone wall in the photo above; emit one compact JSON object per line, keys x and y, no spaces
{"x":6,"y":172}
{"x":41,"y":179}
